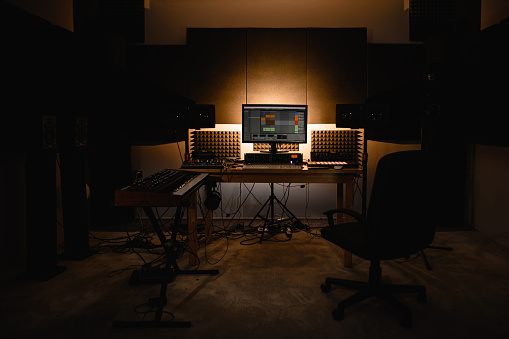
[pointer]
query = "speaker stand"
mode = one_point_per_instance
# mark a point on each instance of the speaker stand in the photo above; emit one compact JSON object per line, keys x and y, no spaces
{"x":171,"y":270}
{"x":272,"y":223}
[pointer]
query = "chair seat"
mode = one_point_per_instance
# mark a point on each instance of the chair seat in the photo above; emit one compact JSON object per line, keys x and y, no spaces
{"x":349,"y":236}
{"x":352,"y":237}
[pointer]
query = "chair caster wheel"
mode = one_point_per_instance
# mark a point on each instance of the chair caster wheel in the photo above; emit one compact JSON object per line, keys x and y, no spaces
{"x":338,"y":314}
{"x":325,"y":288}
{"x":406,"y":322}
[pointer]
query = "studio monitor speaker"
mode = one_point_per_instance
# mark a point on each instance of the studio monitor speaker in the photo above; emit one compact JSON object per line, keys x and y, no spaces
{"x":41,"y":221}
{"x":81,"y":132}
{"x":202,"y":116}
{"x":74,"y":169}
{"x":393,"y":122}
{"x":75,"y":205}
{"x":350,"y":116}
{"x":49,"y":132}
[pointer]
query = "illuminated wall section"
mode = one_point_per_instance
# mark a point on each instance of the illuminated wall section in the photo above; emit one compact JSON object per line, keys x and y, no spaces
{"x":276,"y":66}
{"x":216,"y":70}
{"x":336,"y":71}
{"x":318,"y":67}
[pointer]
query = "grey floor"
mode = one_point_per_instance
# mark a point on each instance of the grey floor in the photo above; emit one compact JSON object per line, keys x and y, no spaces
{"x":265,"y":290}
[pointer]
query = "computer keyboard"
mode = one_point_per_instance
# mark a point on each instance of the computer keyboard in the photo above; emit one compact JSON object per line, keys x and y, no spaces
{"x":272,"y":166}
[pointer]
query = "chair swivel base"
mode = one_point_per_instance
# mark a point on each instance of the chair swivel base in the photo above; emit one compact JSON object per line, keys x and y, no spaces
{"x":381,"y":291}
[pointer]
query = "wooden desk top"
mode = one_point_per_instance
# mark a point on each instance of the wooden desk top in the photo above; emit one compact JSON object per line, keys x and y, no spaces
{"x":305,"y":175}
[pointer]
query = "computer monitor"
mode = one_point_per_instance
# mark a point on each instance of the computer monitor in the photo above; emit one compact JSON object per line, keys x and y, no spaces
{"x":274,"y":124}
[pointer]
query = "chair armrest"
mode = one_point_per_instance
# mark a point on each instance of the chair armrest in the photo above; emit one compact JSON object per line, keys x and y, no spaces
{"x":358,"y":216}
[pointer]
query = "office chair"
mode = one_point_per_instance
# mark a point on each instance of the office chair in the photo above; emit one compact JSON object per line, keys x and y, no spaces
{"x":397,"y":225}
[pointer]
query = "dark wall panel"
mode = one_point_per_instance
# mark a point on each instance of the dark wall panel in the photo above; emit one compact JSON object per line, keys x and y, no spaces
{"x":392,"y":67}
{"x":395,"y":91}
{"x":164,"y":66}
{"x":336,"y":70}
{"x":216,"y":70}
{"x":276,"y":65}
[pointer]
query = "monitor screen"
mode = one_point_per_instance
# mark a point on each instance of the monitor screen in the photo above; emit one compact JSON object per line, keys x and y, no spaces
{"x":276,"y":124}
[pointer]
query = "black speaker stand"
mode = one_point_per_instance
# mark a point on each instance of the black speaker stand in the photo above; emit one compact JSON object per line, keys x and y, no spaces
{"x":171,"y":270}
{"x":271,"y":223}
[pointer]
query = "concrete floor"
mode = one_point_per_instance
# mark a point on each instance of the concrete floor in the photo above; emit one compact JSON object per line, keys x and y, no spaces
{"x":264,"y":290}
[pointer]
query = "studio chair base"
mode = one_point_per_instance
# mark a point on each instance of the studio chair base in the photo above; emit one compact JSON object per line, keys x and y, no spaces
{"x":375,"y":288}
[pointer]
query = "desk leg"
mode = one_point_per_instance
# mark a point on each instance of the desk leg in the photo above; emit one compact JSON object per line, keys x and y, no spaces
{"x":339,"y":203}
{"x":345,"y":203}
{"x":192,"y":228}
{"x":208,"y":226}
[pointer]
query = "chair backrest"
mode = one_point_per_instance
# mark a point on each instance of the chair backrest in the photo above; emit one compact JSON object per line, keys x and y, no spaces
{"x":400,"y":210}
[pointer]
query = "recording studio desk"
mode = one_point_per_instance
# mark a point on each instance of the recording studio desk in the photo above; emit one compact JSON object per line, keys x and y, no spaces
{"x":344,"y":179}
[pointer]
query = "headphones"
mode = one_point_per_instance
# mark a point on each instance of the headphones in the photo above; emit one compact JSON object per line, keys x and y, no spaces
{"x":213,"y":199}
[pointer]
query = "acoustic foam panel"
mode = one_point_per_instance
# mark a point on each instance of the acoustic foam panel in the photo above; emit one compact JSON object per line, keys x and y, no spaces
{"x":221,"y":144}
{"x":125,"y":17}
{"x":336,"y":70}
{"x":276,"y":65}
{"x":432,"y":18}
{"x":216,"y":70}
{"x":336,"y":145}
